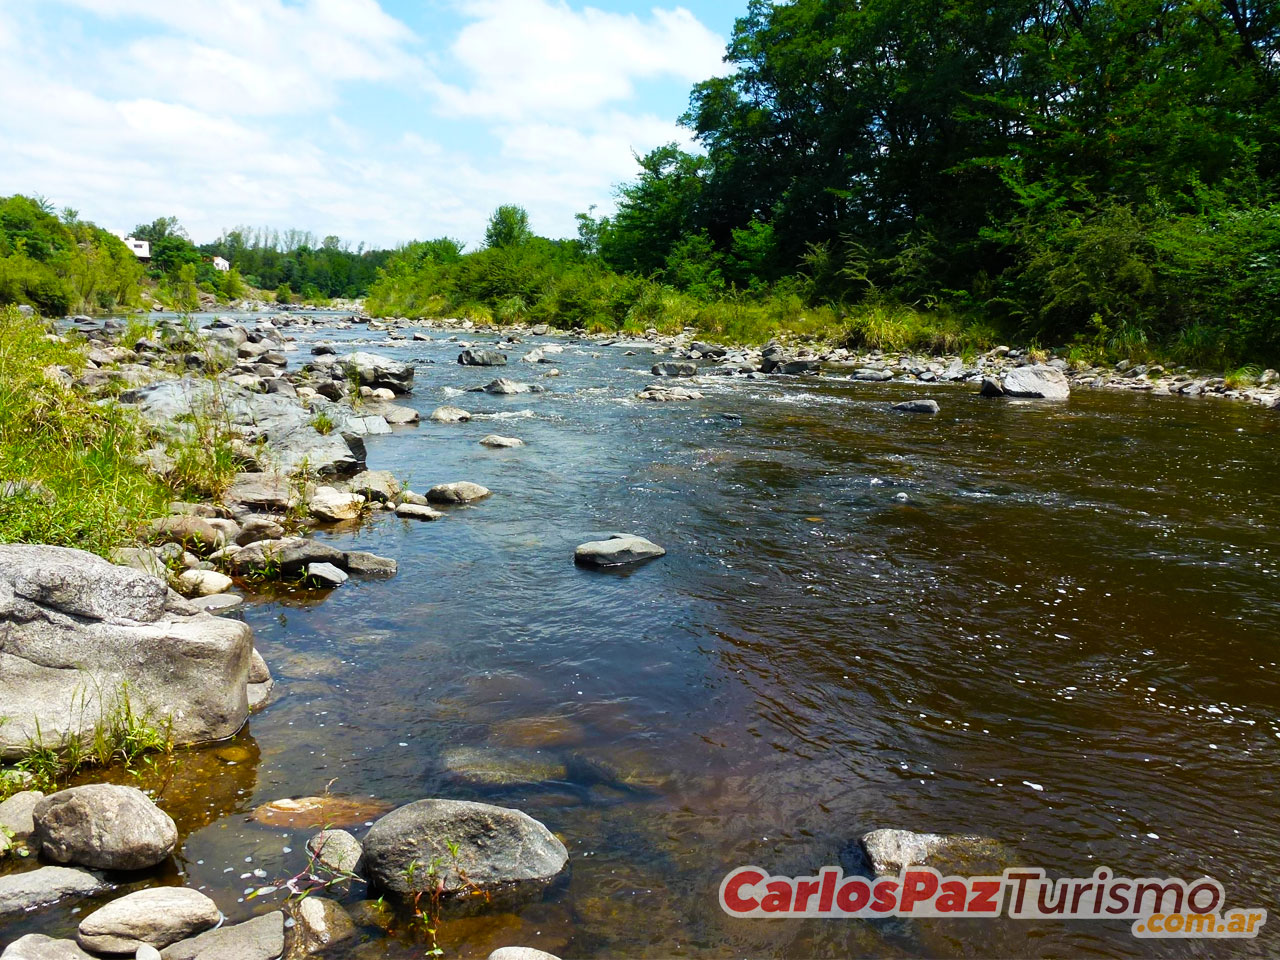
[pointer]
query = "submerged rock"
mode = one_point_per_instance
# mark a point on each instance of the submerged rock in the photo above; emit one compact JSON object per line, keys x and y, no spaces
{"x":319,"y":811}
{"x":888,"y":851}
{"x":20,"y":892}
{"x":617,"y":551}
{"x":670,"y":369}
{"x":104,"y":825}
{"x":492,"y":767}
{"x":494,"y":440}
{"x":318,"y":923}
{"x":504,"y":387}
{"x":499,"y":849}
{"x":156,"y":917}
{"x":917,"y":406}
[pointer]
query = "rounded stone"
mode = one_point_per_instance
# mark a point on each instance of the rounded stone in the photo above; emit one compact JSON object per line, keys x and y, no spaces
{"x":156,"y":917}
{"x":104,"y":825}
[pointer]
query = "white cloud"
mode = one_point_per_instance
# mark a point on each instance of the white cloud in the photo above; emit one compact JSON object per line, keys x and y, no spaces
{"x":538,"y":58}
{"x":249,"y":112}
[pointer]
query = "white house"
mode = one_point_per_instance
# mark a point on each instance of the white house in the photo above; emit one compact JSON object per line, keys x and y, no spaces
{"x":221,"y":264}
{"x":140,"y":248}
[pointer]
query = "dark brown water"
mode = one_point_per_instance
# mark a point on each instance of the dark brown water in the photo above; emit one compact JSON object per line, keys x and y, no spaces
{"x":864,"y":620}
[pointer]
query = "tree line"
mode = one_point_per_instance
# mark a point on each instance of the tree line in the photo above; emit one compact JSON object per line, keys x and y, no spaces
{"x":1102,"y":173}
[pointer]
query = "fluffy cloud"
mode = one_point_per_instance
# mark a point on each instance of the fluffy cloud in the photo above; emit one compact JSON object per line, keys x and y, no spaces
{"x":261,"y":114}
{"x":538,"y":58}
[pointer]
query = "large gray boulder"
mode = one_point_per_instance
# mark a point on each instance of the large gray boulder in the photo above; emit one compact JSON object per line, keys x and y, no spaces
{"x":618,"y":551}
{"x":670,"y":369}
{"x":82,"y":639}
{"x":1037,"y":382}
{"x":20,"y":892}
{"x":156,"y":917}
{"x":261,"y":938}
{"x":375,"y":371}
{"x":292,"y":439}
{"x":36,"y":946}
{"x":499,"y":850}
{"x":104,"y":825}
{"x":461,"y":491}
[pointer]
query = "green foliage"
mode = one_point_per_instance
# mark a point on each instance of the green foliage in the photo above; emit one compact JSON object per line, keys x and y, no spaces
{"x":284,"y":294}
{"x":84,"y":488}
{"x":59,"y":266}
{"x":508,"y":227}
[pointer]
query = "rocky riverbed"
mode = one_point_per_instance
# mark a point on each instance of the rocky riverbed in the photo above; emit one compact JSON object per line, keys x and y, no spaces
{"x":308,"y":396}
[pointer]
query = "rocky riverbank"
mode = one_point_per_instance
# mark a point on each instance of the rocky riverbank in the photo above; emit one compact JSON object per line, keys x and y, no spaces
{"x":76,"y":626}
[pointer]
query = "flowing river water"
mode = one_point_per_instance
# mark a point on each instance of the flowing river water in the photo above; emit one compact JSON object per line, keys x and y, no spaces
{"x":1051,"y":624}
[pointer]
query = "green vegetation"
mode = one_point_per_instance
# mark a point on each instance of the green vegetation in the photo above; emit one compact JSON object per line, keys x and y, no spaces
{"x":60,"y":265}
{"x":81,"y":485}
{"x":1099,"y":175}
{"x":317,"y":268}
{"x":71,"y":471}
{"x":118,"y":735}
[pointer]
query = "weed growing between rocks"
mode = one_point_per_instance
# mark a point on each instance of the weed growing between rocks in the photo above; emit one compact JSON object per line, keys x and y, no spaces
{"x":120,"y":735}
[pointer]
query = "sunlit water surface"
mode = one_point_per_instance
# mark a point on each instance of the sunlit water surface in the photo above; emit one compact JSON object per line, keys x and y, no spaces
{"x":1054,"y":625}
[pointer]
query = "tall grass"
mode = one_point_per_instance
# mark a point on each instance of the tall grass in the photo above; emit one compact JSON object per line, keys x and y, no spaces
{"x":68,"y":460}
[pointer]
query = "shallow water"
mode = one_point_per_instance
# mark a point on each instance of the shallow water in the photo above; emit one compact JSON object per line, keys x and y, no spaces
{"x":863,"y":620}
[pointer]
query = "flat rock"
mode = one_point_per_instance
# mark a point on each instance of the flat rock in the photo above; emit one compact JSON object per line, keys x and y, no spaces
{"x":375,"y":485}
{"x":80,"y":584}
{"x":36,"y":946}
{"x":365,"y":564}
{"x":157,"y":917}
{"x":259,"y":528}
{"x":261,"y":938}
{"x":289,"y":555}
{"x":104,"y":825}
{"x":498,"y":849}
{"x":20,"y":892}
{"x":494,"y":440}
{"x":417,"y":511}
{"x":462,"y":491}
{"x":616,"y":552}
{"x":269,"y":491}
{"x":499,"y":767}
{"x":506,"y":388}
{"x":319,"y":811}
{"x":326,"y":574}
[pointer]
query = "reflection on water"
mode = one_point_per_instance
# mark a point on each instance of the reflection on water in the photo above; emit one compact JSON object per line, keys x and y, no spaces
{"x":863,"y":620}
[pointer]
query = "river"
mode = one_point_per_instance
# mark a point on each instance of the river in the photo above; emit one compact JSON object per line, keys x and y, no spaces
{"x":1054,"y":625}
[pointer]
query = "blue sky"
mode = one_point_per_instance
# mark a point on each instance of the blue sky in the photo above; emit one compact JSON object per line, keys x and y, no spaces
{"x":378,"y":121}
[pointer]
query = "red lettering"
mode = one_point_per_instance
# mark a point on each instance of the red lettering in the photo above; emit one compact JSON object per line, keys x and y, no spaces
{"x":804,"y":890}
{"x":853,"y":895}
{"x":953,"y":896}
{"x":829,"y":878}
{"x":732,"y":897}
{"x":886,"y":896}
{"x":778,"y":899}
{"x":985,"y":893}
{"x":918,"y":886}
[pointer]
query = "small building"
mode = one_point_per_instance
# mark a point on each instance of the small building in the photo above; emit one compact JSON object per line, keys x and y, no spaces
{"x":220,"y":264}
{"x":140,"y":248}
